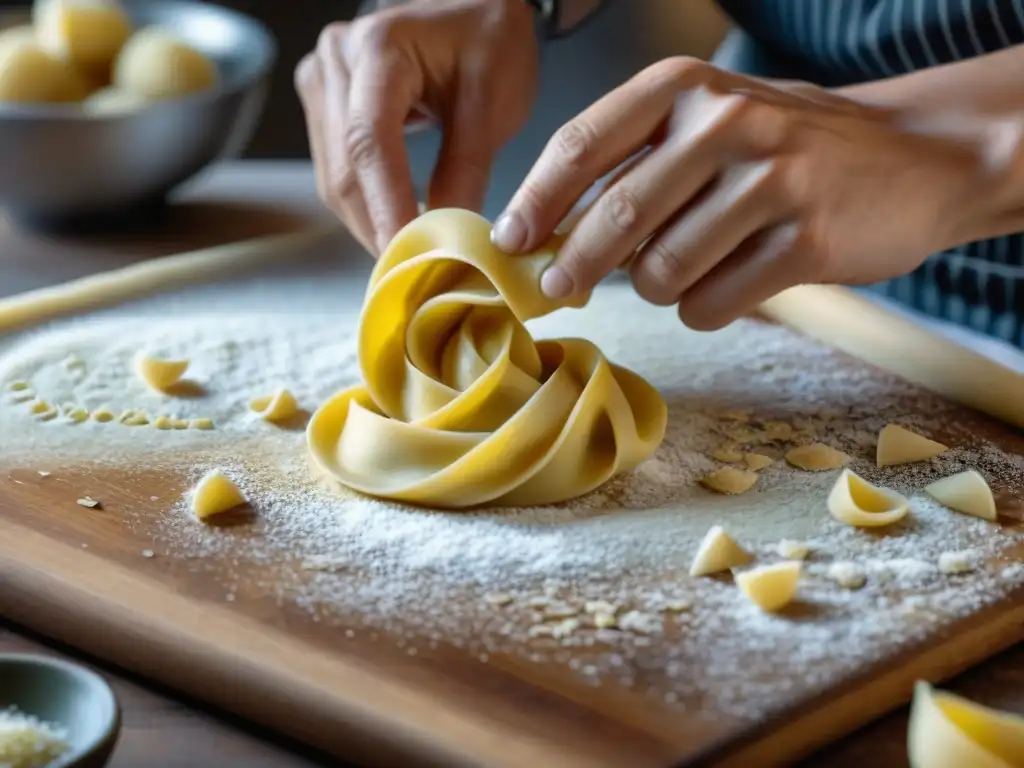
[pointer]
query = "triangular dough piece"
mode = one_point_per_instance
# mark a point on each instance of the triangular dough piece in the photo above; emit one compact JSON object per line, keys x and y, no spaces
{"x":214,"y":494}
{"x":159,"y":374}
{"x":855,"y":501}
{"x":718,"y":552}
{"x":947,"y":730}
{"x":897,"y":445}
{"x":280,"y":406}
{"x":771,"y":587}
{"x":965,"y":492}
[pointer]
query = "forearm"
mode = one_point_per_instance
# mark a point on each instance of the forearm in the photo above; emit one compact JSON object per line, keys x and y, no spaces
{"x":979,"y":101}
{"x":988,"y":85}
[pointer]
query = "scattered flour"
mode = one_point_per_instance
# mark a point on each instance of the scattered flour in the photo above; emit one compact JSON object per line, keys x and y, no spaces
{"x":483,"y":580}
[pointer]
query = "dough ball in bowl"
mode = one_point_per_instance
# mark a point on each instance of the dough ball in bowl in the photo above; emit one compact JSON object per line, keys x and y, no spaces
{"x":114,"y":101}
{"x":29,"y":74}
{"x":87,"y":33}
{"x":156,"y":64}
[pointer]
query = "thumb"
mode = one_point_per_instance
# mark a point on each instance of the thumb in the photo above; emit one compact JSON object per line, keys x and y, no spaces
{"x":463,"y":167}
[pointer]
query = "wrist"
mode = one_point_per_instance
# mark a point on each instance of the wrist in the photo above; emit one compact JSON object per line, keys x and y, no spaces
{"x":560,"y":18}
{"x":999,"y":194}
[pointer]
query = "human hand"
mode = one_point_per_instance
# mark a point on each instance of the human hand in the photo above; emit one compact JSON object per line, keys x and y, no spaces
{"x":742,"y":188}
{"x":473,"y":63}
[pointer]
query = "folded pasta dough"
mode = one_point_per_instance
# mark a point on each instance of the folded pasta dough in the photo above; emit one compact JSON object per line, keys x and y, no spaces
{"x":460,"y":407}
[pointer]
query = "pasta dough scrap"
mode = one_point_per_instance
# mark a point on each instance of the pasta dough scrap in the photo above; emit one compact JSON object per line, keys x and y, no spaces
{"x":159,"y":374}
{"x":718,"y":552}
{"x":729,"y":480}
{"x":965,"y":492}
{"x":897,"y":445}
{"x":948,"y":731}
{"x":727,"y":453}
{"x":39,"y":407}
{"x":816,"y":457}
{"x":757,"y":461}
{"x":103,"y":415}
{"x":793,"y":550}
{"x":847,"y":575}
{"x":279,"y":406}
{"x":855,"y":501}
{"x":460,"y":405}
{"x":203,"y":423}
{"x":77,"y":415}
{"x":215,"y":494}
{"x":771,"y":587}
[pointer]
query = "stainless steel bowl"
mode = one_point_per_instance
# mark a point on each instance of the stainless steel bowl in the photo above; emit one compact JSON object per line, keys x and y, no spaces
{"x":61,"y":166}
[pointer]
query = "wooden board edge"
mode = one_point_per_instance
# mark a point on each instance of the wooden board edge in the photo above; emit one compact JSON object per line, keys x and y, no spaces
{"x":820,"y":722}
{"x":252,"y":684}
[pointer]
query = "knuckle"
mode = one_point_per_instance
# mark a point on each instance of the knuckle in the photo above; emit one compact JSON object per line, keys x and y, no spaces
{"x":622,"y":209}
{"x":360,"y":142}
{"x":677,"y":68}
{"x":329,"y":40}
{"x":344,"y":184}
{"x":378,"y":30}
{"x":792,"y":180}
{"x":765,"y":126}
{"x":529,"y":200}
{"x":306,"y":78}
{"x":338,"y":185}
{"x":573,"y":143}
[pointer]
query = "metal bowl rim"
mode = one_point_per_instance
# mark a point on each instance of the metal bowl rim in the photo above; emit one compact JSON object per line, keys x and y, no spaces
{"x":111,"y":728}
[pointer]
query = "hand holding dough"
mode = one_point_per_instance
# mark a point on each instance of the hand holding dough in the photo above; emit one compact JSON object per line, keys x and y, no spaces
{"x":461,"y":406}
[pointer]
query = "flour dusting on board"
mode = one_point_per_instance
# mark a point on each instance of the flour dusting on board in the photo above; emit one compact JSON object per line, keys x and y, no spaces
{"x":534,"y":582}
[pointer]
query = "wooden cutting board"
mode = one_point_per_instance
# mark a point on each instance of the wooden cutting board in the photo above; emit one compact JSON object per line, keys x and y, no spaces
{"x":703,"y":687}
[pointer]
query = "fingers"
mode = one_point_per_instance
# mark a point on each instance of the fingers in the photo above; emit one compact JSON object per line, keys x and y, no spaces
{"x":355,"y":120}
{"x":742,"y":201}
{"x":321,"y":80}
{"x":765,"y":264}
{"x":584,"y":150}
{"x":309,"y":85}
{"x":381,"y":96}
{"x":467,"y":150}
{"x":639,"y":204}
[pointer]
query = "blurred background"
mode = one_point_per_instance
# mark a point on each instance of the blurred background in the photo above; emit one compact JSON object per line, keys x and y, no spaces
{"x":627,"y":35}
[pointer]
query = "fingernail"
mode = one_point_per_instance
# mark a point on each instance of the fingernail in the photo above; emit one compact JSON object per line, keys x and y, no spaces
{"x":555,"y":283}
{"x":509,"y":232}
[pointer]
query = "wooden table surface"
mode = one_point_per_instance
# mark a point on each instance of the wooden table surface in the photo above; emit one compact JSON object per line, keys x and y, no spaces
{"x":163,"y":729}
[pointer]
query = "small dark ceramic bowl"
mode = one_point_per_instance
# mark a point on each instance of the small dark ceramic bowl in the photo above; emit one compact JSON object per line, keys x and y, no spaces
{"x":67,"y":696}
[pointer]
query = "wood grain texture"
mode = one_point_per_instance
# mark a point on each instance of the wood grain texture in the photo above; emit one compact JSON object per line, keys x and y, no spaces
{"x":265,"y":660}
{"x":161,"y":728}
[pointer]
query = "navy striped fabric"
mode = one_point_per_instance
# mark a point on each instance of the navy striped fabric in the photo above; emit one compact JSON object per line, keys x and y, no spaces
{"x":840,"y":42}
